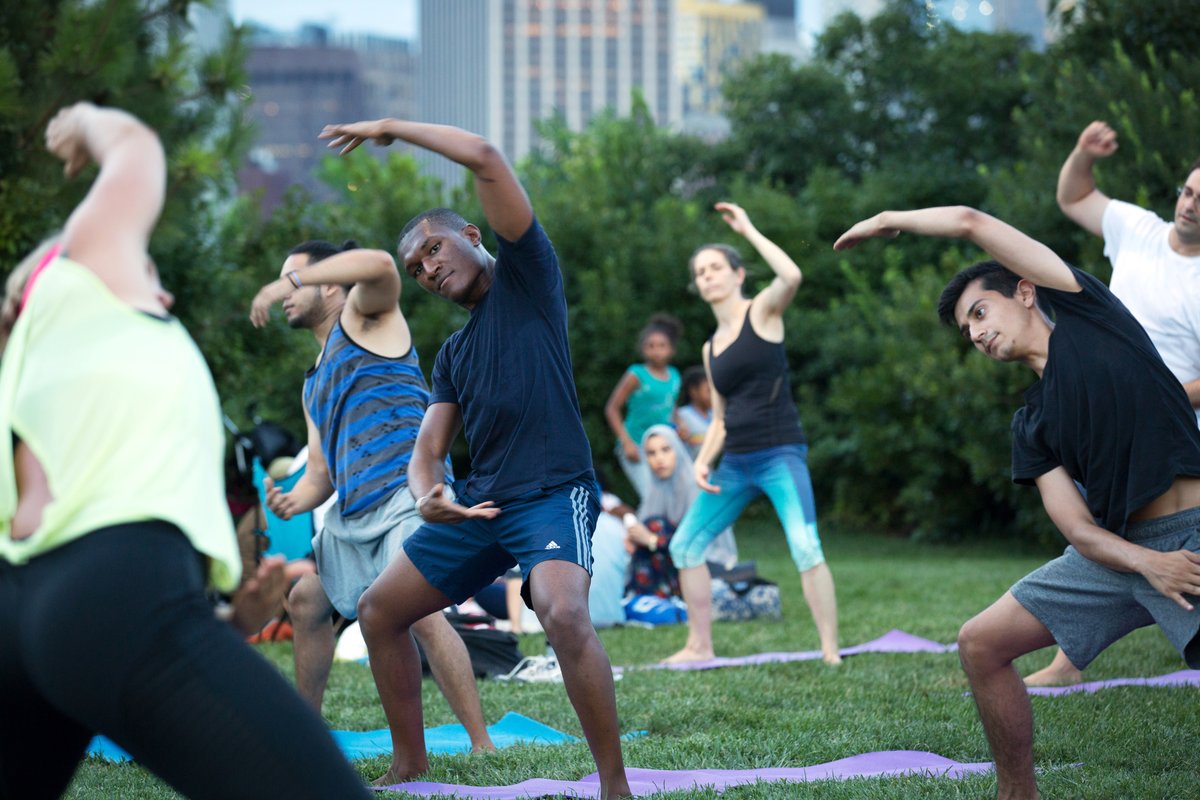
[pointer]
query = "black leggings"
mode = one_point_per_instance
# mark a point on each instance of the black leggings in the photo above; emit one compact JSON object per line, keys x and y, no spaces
{"x":112,"y":634}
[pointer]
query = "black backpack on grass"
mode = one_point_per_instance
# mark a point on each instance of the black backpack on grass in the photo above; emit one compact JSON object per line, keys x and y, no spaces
{"x":493,"y":652}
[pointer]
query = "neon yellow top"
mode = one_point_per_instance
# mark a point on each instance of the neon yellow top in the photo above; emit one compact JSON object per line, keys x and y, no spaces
{"x":121,"y":412}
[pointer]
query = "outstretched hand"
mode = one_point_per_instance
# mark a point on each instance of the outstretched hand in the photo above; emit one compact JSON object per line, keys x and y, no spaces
{"x":274,"y":292}
{"x":65,"y":138}
{"x":349,"y":135}
{"x":735,"y":217}
{"x":437,"y":507}
{"x":866,"y":229}
{"x":1098,"y":140}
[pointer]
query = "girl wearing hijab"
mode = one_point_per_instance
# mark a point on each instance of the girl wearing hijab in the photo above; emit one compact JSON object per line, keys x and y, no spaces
{"x":669,"y":493}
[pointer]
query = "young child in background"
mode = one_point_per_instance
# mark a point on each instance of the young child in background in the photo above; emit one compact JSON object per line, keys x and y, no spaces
{"x":645,"y":396}
{"x":693,"y":414}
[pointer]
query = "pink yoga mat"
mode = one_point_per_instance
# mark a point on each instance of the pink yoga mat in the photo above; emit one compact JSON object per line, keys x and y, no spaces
{"x":645,"y":782}
{"x":1185,"y":677}
{"x":894,"y":641}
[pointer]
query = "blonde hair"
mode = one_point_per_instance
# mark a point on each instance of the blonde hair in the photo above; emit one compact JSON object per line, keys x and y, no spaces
{"x":14,"y":287}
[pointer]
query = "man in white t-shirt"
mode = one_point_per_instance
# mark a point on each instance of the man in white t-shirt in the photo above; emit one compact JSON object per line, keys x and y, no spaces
{"x":1156,"y":274}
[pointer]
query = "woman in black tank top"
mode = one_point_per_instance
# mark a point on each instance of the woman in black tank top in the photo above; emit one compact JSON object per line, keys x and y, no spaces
{"x":756,"y":424}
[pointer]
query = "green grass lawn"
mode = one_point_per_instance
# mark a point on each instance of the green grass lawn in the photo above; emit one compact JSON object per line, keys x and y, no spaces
{"x":1119,"y":743}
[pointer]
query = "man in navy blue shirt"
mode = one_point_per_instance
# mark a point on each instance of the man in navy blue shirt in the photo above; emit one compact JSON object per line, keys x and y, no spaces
{"x":531,"y":498}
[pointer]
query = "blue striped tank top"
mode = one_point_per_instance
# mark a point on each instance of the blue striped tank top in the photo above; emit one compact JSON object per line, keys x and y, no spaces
{"x":367,"y":409}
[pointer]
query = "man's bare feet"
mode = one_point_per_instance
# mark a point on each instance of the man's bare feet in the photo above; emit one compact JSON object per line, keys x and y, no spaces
{"x":1060,"y":672}
{"x":687,"y":655}
{"x":833,"y":660}
{"x":397,"y":774}
{"x":483,"y":747}
{"x":1054,"y":676}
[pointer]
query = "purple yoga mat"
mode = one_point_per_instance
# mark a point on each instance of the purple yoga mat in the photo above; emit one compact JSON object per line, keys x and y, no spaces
{"x":1185,"y":677}
{"x":644,"y":782}
{"x":894,"y":641}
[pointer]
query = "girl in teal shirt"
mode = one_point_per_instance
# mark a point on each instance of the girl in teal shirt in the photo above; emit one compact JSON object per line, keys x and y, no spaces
{"x":647,"y":394}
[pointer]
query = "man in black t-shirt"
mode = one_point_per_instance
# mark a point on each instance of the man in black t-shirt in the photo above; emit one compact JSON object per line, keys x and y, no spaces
{"x":1105,"y":412}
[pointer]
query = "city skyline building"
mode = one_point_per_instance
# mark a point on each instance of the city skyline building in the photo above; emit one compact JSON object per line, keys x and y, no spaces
{"x":500,"y":67}
{"x":504,"y":65}
{"x":300,"y":81}
{"x":711,"y":39}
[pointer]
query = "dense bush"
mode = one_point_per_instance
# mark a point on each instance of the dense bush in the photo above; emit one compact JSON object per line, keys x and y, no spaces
{"x":910,"y":430}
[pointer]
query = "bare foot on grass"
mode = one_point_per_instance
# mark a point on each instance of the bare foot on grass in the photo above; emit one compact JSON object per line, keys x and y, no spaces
{"x":1060,"y":672}
{"x":1053,"y":676}
{"x":687,"y":655}
{"x":397,"y":774}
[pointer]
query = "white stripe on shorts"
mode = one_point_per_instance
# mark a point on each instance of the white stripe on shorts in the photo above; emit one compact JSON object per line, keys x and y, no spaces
{"x":583,"y":539}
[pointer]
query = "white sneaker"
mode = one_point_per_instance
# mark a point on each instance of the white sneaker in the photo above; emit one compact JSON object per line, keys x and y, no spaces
{"x":535,"y":669}
{"x":540,"y":669}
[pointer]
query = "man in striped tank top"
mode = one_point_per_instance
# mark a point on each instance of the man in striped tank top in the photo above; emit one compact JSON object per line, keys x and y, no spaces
{"x":363,"y":404}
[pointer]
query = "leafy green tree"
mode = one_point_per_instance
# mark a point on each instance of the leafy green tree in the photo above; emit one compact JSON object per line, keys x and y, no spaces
{"x":138,"y":56}
{"x":616,"y":201}
{"x":787,"y":121}
{"x":1146,"y":91}
{"x":1091,"y":29}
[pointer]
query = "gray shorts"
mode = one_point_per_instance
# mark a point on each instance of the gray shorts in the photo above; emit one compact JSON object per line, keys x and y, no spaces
{"x":1087,"y":606}
{"x":350,"y":553}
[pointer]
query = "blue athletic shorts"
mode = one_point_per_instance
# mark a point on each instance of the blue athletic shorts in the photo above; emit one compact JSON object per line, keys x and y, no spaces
{"x":548,"y":524}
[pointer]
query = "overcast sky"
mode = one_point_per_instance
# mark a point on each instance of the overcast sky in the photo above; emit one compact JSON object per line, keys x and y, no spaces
{"x":395,"y":18}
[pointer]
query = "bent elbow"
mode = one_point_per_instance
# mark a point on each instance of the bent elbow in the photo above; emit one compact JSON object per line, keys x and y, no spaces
{"x":384,"y":264}
{"x":484,"y":156}
{"x":970,"y":221}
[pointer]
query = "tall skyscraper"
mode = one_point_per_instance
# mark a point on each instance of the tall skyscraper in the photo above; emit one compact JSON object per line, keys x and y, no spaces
{"x":296,"y":91}
{"x":301,"y":81}
{"x":711,"y":39}
{"x":781,"y":33}
{"x":497,"y":66}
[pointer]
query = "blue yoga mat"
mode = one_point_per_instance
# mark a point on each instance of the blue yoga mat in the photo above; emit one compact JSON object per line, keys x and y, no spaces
{"x":512,"y":729}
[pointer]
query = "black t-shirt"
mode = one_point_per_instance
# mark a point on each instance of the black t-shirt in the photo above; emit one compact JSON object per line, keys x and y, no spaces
{"x":1106,"y":408}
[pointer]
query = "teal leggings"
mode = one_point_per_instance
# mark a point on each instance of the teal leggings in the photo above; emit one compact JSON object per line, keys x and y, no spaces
{"x":781,"y":473}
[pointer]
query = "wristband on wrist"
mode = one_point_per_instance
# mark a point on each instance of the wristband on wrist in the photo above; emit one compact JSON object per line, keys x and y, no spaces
{"x":295,"y":279}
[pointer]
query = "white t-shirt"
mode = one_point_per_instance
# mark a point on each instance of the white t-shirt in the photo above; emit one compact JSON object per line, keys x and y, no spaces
{"x":1160,"y":287}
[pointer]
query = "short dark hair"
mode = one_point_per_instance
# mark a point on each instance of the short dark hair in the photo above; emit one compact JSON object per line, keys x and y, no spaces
{"x":729,"y":251}
{"x":996,"y":278}
{"x":319,"y":250}
{"x":1195,"y":166}
{"x":447,"y":217}
{"x":665,"y":324}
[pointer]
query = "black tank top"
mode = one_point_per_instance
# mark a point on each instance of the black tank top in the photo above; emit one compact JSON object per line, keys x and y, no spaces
{"x":752,"y":375}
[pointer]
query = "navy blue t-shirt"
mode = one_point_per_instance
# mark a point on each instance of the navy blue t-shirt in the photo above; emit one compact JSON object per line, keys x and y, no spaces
{"x":509,"y":371}
{"x":1106,"y":409}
